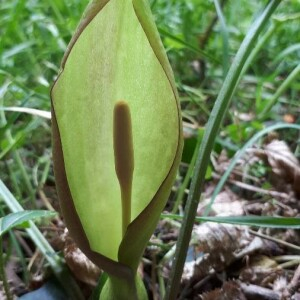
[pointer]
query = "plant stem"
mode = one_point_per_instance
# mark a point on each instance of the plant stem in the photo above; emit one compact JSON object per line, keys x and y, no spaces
{"x":262,"y":42}
{"x":186,"y":180}
{"x":123,"y":289}
{"x":205,"y":37}
{"x":225,"y":36}
{"x":3,"y":274}
{"x":282,"y":88}
{"x":214,"y":123}
{"x":15,"y":153}
{"x":270,"y":238}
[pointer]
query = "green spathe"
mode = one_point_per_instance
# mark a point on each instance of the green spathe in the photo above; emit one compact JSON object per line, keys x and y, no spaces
{"x":116,"y":55}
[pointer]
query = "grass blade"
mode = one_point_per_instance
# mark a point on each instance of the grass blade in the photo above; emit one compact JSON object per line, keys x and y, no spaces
{"x":257,"y":221}
{"x":225,"y":36}
{"x":282,"y":88}
{"x":27,"y":110}
{"x":13,"y":220}
{"x":214,"y":123}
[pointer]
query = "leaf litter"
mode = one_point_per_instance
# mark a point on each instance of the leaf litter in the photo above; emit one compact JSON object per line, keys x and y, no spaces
{"x":232,"y":262}
{"x":223,"y":261}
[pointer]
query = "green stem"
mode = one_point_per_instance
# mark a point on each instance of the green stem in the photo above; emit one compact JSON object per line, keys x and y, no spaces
{"x":122,"y":289}
{"x":27,"y":182}
{"x":18,"y":251}
{"x":261,"y":43}
{"x":282,"y":88}
{"x":213,"y":125}
{"x":3,"y":274}
{"x":14,"y":181}
{"x":15,"y":153}
{"x":186,"y":180}
{"x":225,"y":36}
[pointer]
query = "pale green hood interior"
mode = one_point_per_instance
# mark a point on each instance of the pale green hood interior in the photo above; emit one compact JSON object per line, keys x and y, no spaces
{"x":112,"y":60}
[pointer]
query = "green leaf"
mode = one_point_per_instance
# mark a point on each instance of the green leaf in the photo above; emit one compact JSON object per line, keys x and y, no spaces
{"x":258,"y":221}
{"x":22,"y":217}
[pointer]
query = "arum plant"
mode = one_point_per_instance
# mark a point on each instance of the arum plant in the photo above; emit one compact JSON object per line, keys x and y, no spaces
{"x":117,"y":138}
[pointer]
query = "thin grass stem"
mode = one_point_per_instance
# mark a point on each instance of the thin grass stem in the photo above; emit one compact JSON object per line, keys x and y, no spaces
{"x":186,"y":180}
{"x":3,"y":277}
{"x":282,"y":88}
{"x":225,"y":37}
{"x":214,"y":123}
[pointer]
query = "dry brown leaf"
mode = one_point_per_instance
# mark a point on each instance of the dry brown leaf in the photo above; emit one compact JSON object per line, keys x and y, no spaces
{"x":289,"y":118}
{"x":284,"y":164}
{"x":281,"y":159}
{"x":261,"y":270}
{"x":216,"y":246}
{"x":82,"y":268}
{"x":229,"y":291}
{"x":226,"y":203}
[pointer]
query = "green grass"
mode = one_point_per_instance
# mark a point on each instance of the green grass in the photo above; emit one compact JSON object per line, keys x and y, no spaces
{"x":34,"y":35}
